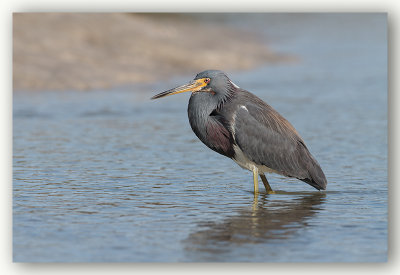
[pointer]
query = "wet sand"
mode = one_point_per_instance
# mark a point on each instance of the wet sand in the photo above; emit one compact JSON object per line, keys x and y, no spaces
{"x":77,"y":51}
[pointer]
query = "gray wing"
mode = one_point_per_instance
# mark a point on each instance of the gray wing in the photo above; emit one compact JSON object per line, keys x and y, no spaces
{"x":267,"y":138}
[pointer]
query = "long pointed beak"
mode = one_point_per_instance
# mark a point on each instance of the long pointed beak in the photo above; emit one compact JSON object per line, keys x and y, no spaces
{"x":193,"y":86}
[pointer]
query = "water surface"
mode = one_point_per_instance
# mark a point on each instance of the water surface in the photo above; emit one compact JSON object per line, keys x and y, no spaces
{"x":113,"y":176}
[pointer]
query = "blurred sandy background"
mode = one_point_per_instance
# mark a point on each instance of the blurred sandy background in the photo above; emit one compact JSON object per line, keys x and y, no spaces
{"x":81,"y":51}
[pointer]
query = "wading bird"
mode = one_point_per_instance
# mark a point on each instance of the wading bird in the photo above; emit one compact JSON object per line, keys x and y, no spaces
{"x":240,"y":126}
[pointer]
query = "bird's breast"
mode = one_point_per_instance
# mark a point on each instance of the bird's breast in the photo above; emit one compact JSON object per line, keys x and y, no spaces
{"x":210,"y":126}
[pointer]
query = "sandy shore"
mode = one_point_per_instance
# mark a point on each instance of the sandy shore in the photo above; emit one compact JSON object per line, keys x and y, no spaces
{"x":59,"y":51}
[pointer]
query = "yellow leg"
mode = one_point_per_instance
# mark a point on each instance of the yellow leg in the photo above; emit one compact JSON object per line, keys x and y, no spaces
{"x":255,"y":180}
{"x":266,"y":184}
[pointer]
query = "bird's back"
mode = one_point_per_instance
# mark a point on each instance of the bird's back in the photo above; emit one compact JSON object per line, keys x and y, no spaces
{"x":268,"y":139}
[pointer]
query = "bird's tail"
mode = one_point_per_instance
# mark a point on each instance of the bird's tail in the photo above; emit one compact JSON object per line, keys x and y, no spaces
{"x":316,"y":177}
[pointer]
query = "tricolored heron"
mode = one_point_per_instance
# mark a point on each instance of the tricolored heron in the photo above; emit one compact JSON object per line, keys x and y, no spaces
{"x":239,"y":125}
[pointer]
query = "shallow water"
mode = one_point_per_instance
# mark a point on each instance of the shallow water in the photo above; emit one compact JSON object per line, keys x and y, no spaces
{"x":113,"y":176}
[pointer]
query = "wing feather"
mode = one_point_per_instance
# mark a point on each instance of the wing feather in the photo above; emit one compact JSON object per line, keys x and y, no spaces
{"x":268,"y":139}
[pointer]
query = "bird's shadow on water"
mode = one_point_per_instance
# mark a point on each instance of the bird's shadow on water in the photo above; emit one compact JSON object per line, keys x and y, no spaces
{"x":265,"y":220}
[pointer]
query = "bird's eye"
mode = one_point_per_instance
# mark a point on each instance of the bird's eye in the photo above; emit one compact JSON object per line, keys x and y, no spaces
{"x":207,"y":80}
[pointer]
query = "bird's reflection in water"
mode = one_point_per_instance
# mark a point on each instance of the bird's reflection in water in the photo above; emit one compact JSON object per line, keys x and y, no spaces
{"x":268,"y":218}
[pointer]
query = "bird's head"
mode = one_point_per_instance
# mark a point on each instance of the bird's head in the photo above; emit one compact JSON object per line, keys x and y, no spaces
{"x":214,"y":82}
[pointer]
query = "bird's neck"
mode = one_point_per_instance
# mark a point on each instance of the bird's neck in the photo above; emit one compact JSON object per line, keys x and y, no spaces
{"x":199,"y":109}
{"x":202,"y":105}
{"x":208,"y":124}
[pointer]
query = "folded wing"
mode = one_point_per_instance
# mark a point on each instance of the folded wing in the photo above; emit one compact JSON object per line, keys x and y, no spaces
{"x":268,"y":139}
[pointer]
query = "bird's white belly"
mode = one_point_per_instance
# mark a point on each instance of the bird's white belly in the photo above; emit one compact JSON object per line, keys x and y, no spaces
{"x":245,"y":163}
